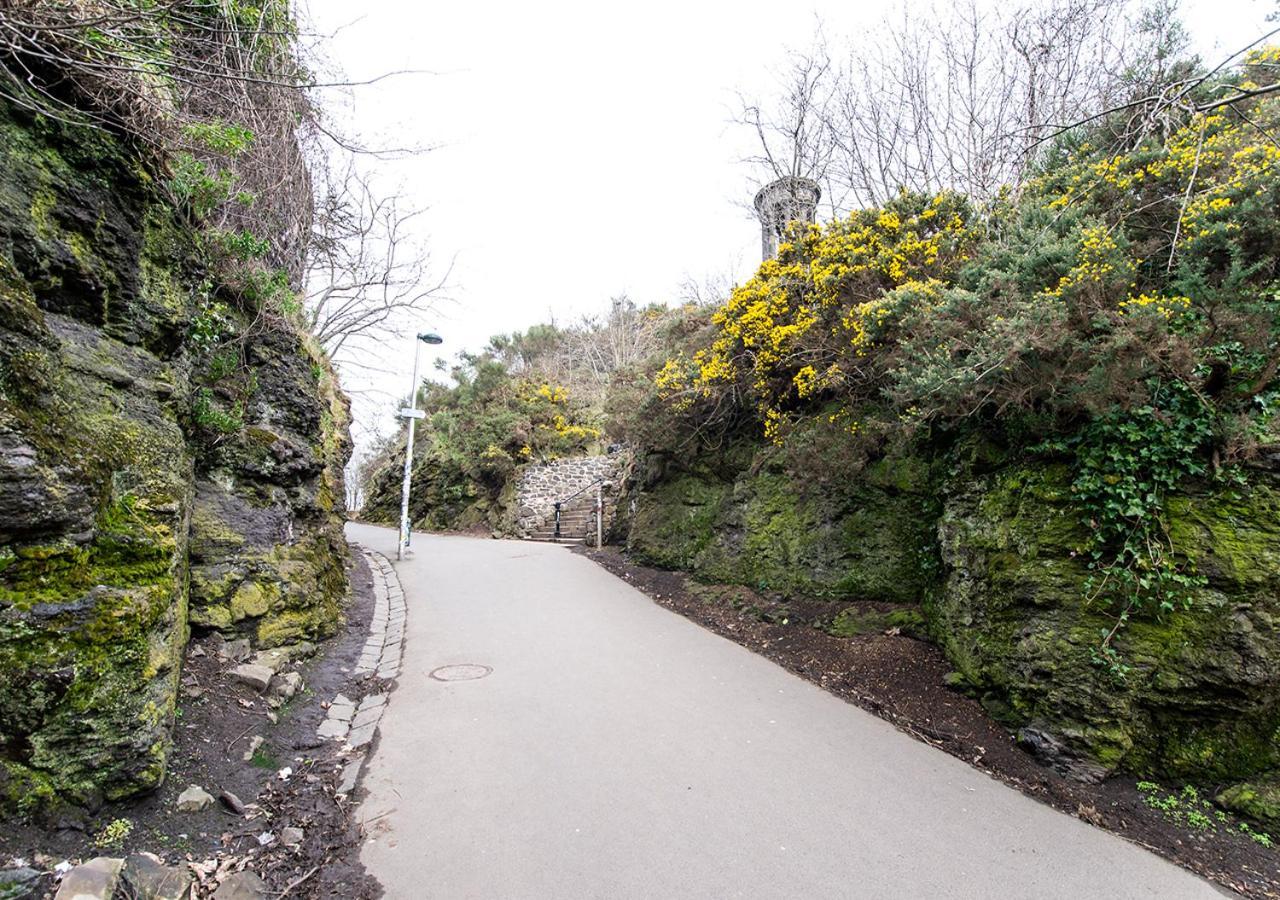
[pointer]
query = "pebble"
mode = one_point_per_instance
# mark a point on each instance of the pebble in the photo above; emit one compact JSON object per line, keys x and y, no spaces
{"x":150,"y":879}
{"x":232,"y":802}
{"x":237,"y":650}
{"x":241,"y":886}
{"x":254,"y":743}
{"x":257,"y":677}
{"x":194,"y":799}
{"x":95,"y":880}
{"x":18,"y":882}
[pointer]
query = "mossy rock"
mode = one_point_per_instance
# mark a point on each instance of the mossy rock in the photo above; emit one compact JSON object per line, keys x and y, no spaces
{"x":870,"y":538}
{"x":99,"y":523}
{"x":1198,"y":701}
{"x":1258,"y":800}
{"x":855,"y":621}
{"x":95,"y":468}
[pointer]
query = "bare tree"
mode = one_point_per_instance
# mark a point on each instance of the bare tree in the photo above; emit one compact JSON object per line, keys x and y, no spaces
{"x":792,"y":132}
{"x":712,"y":289}
{"x":367,"y":277}
{"x":960,"y":96}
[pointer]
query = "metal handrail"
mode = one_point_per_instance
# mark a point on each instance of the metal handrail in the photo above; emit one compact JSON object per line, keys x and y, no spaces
{"x":563,"y":500}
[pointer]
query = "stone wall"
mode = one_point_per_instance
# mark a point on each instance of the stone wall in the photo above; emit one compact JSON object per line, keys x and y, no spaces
{"x":1197,"y":700}
{"x":541,"y":485}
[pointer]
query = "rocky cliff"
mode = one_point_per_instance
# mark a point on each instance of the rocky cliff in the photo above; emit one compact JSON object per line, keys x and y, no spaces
{"x":740,"y":517}
{"x":1199,"y":699}
{"x":145,"y":486}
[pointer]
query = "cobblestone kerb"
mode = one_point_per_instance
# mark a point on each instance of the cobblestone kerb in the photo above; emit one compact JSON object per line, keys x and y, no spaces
{"x":356,"y":723}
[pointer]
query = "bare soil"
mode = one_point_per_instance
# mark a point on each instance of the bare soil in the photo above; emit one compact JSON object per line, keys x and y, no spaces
{"x":217,"y":717}
{"x":902,"y":680}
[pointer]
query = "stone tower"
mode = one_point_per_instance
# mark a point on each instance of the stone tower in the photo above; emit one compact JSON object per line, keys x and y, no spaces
{"x":779,"y":203}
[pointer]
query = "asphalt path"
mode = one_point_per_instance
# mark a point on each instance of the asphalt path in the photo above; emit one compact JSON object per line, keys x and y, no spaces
{"x":614,"y":749}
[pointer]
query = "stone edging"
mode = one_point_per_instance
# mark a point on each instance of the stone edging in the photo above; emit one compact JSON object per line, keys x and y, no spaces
{"x":356,"y":724}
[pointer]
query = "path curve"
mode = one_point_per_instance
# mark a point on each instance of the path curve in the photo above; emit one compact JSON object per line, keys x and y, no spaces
{"x":614,"y":749}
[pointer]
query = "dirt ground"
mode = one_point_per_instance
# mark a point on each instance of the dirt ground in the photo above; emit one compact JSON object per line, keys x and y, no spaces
{"x":903,"y":680}
{"x":290,"y":780}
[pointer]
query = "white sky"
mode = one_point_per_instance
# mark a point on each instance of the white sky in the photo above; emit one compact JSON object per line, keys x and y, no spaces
{"x":584,"y":149}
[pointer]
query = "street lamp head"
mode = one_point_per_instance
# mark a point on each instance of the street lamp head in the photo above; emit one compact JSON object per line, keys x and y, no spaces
{"x":430,"y":337}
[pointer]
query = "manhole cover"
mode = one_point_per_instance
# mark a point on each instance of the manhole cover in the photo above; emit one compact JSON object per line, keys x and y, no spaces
{"x":464,"y":672}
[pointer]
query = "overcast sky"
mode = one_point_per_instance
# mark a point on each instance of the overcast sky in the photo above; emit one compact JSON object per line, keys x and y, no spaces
{"x":583,"y":150}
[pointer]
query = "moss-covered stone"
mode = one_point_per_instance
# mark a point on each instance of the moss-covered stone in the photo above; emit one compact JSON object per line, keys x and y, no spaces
{"x":856,"y":620}
{"x":1258,"y":800}
{"x":267,"y":549}
{"x":95,"y":469}
{"x":99,"y":517}
{"x":868,"y":538}
{"x":1198,"y":701}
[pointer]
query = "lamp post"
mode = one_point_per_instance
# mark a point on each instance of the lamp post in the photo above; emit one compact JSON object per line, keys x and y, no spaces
{"x":413,"y":414}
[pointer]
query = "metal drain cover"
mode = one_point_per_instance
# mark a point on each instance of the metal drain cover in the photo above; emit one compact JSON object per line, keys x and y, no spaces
{"x":463,"y":672}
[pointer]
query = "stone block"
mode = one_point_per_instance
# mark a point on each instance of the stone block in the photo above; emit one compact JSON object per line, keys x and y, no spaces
{"x":148,"y":878}
{"x":241,"y":886}
{"x":256,"y":677}
{"x":95,"y":880}
{"x":194,"y":799}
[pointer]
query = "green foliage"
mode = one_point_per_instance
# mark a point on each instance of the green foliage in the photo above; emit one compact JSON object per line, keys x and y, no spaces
{"x":1188,"y":808}
{"x":226,"y":138}
{"x":113,"y":834}
{"x":1127,"y":462}
{"x":474,"y":436}
{"x":208,"y":413}
{"x":1121,"y":312}
{"x":243,"y":245}
{"x":200,"y":184}
{"x":263,"y":758}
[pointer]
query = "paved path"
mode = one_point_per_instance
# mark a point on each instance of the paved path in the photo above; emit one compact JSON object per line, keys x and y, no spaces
{"x":618,"y":750}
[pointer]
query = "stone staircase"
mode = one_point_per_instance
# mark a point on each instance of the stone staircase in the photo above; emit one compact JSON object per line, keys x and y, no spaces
{"x":577,"y":522}
{"x":574,"y":482}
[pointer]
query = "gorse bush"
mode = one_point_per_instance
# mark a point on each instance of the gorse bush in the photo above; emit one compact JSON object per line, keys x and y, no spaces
{"x":1121,"y":311}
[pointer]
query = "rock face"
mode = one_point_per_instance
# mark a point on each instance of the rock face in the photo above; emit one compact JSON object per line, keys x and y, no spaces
{"x":749,"y":522}
{"x":267,"y":549}
{"x":110,"y":497}
{"x":1200,"y":700}
{"x":95,"y":469}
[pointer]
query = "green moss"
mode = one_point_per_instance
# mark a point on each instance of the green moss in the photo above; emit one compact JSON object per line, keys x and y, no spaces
{"x":24,"y":790}
{"x":98,"y":277}
{"x":676,"y":523}
{"x":869,"y":538}
{"x":855,"y":621}
{"x":1016,"y":621}
{"x":217,"y":617}
{"x":253,"y":599}
{"x":43,"y":202}
{"x":1257,"y":800}
{"x":290,"y":626}
{"x":1231,"y":535}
